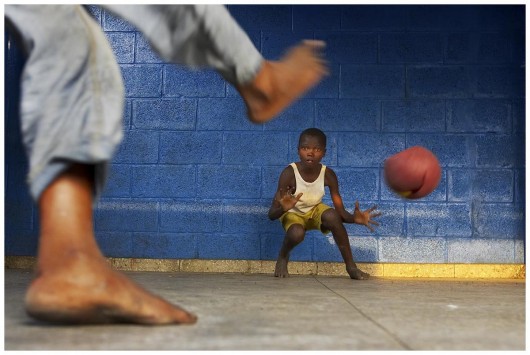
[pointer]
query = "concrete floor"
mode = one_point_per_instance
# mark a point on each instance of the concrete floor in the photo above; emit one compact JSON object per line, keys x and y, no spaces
{"x":260,"y":312}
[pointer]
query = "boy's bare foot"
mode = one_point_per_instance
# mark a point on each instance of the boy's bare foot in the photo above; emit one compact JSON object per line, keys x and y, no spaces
{"x":357,"y":274}
{"x":74,"y":282}
{"x":278,"y":84}
{"x":87,"y":290}
{"x":281,"y":268}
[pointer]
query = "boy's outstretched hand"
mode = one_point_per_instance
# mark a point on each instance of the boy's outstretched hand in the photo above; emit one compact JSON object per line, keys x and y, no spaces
{"x":286,"y":198}
{"x":365,"y":217}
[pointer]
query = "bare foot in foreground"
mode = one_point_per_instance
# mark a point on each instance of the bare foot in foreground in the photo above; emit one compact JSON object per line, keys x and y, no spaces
{"x":281,"y":268}
{"x":88,"y":291}
{"x":279,"y":83}
{"x":357,"y":274}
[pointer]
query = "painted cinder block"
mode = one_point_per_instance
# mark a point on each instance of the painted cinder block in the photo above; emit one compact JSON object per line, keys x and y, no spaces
{"x":229,"y":181}
{"x":439,"y":17}
{"x":316,"y":17}
{"x":416,"y":250}
{"x":499,"y":81}
{"x":269,"y":184}
{"x":410,"y":48}
{"x":480,"y":251}
{"x":16,"y":183}
{"x":438,"y":220}
{"x":180,"y":81}
{"x":127,"y":215}
{"x":460,"y":48}
{"x":119,"y":181}
{"x":391,"y":222}
{"x":413,"y":116}
{"x":520,"y":185}
{"x":439,"y":82}
{"x":164,"y":114}
{"x":20,"y":242}
{"x":164,"y":245}
{"x":191,"y":216}
{"x":381,"y":81}
{"x":275,"y":44}
{"x":459,"y":185}
{"x":493,"y":185}
{"x":367,"y":149}
{"x":484,"y":48}
{"x":300,"y":114}
{"x":499,"y":151}
{"x":95,"y":11}
{"x":496,"y":220}
{"x":519,"y":114}
{"x":12,"y":125}
{"x":122,"y":44}
{"x":364,"y":249}
{"x":349,"y":47}
{"x":486,"y":185}
{"x":138,"y":147}
{"x":348,"y":115}
{"x":507,"y":18}
{"x":519,"y":252}
{"x":127,"y":114}
{"x":224,"y":114}
{"x":115,"y":23}
{"x":191,"y":147}
{"x":20,"y":213}
{"x":249,"y":148}
{"x":475,"y":116}
{"x":374,"y":17}
{"x":142,"y":80}
{"x":452,"y":150}
{"x":248,"y":216}
{"x":144,"y":51}
{"x":461,"y":17}
{"x":359,"y":184}
{"x":229,"y":246}
{"x":519,"y":52}
{"x":115,"y":244}
{"x":164,"y":181}
{"x":264,"y":17}
{"x":271,"y":244}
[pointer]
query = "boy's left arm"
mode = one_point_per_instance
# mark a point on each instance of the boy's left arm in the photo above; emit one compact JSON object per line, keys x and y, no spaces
{"x":358,"y":216}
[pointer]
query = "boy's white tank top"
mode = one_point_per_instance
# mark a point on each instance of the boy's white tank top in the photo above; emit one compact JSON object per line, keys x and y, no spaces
{"x":313,"y":192}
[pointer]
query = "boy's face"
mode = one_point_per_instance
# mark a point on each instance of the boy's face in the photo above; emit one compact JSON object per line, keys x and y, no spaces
{"x":311,"y":150}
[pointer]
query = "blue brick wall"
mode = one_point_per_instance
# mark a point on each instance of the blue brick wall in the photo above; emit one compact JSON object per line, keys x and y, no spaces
{"x":194,"y":179}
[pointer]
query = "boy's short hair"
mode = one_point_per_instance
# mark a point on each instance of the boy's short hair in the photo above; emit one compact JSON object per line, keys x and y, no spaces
{"x":314,"y":132}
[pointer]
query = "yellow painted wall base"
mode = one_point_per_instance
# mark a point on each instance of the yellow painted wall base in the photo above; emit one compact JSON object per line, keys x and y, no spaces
{"x":383,"y":270}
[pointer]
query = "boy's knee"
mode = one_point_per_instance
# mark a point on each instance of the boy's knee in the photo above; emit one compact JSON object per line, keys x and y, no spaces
{"x":296,"y":233}
{"x":331,"y":218}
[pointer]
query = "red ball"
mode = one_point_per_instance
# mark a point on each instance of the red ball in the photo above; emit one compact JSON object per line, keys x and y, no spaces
{"x":413,"y":173}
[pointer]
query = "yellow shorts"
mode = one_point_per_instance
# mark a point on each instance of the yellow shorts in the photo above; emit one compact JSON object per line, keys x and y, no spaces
{"x":309,"y":220}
